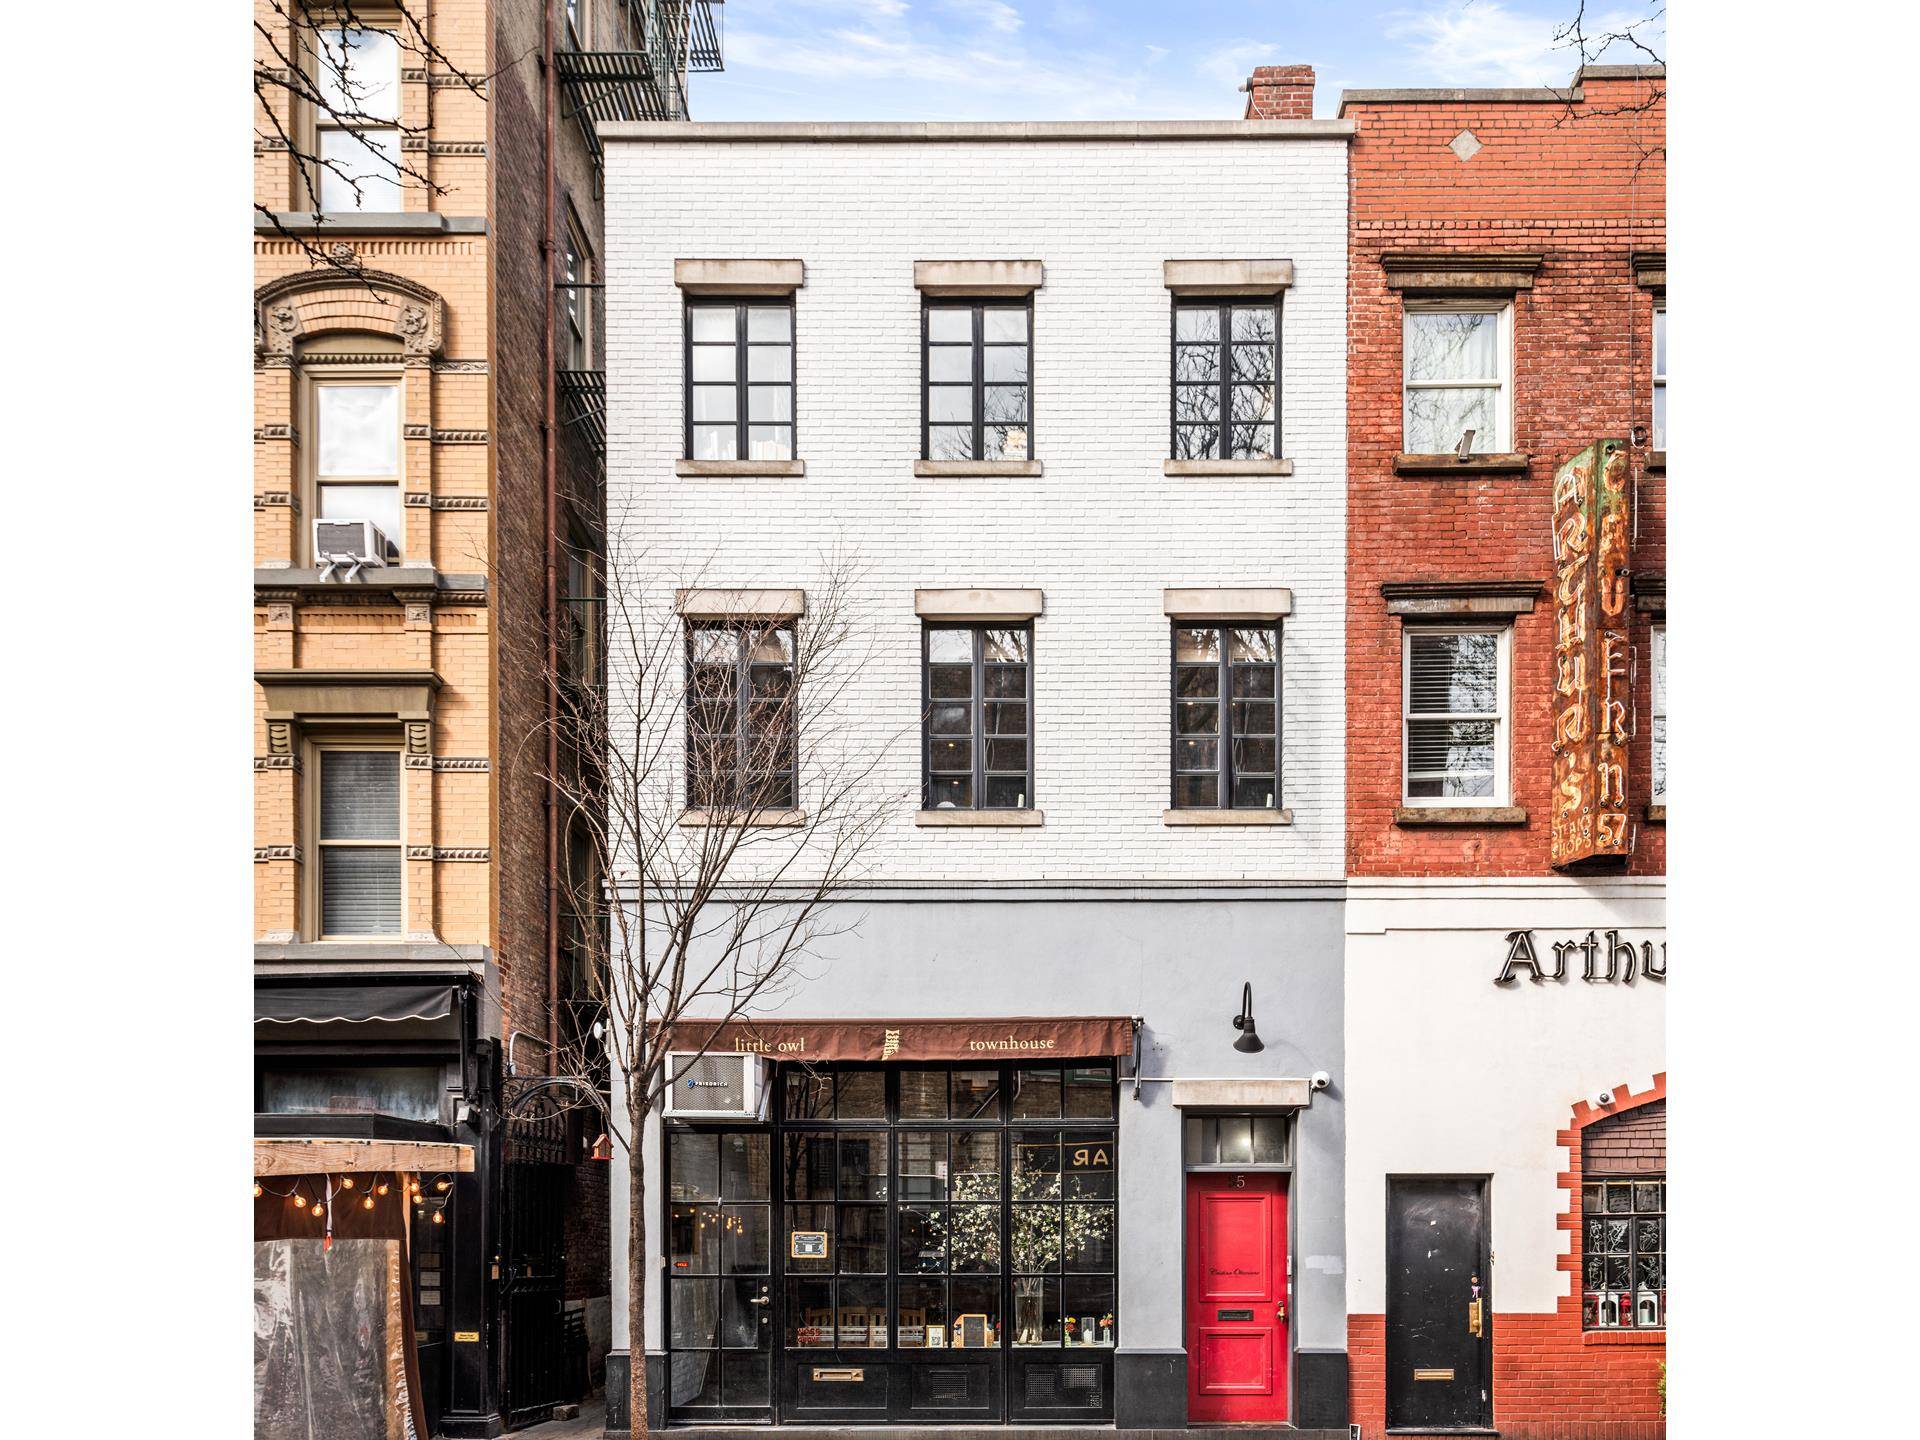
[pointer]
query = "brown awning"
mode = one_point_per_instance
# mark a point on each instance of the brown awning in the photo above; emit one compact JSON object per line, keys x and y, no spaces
{"x":1025,"y":1038}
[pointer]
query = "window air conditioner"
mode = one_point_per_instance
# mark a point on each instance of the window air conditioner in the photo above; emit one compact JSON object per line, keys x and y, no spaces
{"x":714,"y":1087}
{"x":348,"y":542}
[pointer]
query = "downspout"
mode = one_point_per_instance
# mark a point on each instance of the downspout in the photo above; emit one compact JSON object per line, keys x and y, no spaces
{"x":551,"y":466}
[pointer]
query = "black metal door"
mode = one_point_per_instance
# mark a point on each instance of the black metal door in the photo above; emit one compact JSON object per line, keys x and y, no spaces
{"x":1439,"y":1305}
{"x":540,"y":1367}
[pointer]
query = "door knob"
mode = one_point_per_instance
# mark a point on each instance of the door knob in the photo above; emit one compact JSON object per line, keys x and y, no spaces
{"x":1280,"y":1311}
{"x":759,"y":1300}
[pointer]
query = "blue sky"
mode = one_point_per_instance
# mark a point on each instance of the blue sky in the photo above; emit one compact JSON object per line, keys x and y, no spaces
{"x":1115,"y":59}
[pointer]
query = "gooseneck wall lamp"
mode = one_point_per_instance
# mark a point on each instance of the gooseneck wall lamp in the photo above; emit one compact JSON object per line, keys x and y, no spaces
{"x":1249,"y":1041}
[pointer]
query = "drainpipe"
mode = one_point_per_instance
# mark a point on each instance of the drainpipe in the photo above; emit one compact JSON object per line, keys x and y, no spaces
{"x":551,"y":465}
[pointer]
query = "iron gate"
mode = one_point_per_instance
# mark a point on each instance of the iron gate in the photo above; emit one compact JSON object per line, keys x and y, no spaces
{"x":545,"y":1360}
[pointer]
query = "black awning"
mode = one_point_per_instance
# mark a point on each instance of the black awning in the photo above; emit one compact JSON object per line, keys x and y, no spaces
{"x":354,"y":1004}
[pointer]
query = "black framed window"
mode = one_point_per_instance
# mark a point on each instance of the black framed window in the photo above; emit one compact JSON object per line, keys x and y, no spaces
{"x":720,"y":1275}
{"x":740,"y":716}
{"x":1226,"y":716}
{"x":1624,"y":1252}
{"x":739,"y":368}
{"x":1226,"y":360}
{"x":977,"y":709}
{"x":976,"y":394}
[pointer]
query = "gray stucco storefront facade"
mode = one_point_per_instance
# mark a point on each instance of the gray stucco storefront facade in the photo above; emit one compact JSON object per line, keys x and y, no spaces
{"x":1176,"y":960}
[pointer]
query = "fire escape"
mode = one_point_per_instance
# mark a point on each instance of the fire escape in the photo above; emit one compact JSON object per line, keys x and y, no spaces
{"x":670,"y":39}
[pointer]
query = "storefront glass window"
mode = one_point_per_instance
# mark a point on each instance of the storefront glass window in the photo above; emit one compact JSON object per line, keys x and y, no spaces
{"x":1624,"y":1253}
{"x":406,"y":1092}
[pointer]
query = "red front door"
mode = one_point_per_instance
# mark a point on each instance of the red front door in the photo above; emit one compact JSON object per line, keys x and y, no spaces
{"x":1236,"y":1297}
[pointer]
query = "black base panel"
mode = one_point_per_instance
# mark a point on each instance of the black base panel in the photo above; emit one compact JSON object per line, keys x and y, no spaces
{"x":1150,"y":1389}
{"x":1320,"y":1386}
{"x":617,"y":1392}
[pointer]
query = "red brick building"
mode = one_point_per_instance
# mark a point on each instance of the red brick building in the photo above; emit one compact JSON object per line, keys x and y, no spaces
{"x":1505,"y":648}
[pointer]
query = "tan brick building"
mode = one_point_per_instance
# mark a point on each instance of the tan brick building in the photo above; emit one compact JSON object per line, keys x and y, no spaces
{"x":427,"y":501}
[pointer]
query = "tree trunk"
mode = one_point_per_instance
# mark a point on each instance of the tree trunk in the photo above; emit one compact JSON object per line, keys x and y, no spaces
{"x":636,"y":1279}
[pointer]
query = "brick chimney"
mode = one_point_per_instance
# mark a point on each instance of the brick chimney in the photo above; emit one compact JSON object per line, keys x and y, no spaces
{"x":1280,"y":92}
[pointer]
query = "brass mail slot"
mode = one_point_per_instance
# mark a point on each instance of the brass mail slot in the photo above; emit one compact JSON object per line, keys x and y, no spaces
{"x":1446,"y":1374}
{"x":842,"y":1373}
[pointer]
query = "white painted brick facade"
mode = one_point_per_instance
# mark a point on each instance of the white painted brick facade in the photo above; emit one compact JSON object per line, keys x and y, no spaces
{"x":1102,"y":532}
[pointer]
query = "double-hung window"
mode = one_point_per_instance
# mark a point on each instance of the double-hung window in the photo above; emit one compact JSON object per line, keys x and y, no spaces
{"x":1454,"y":715}
{"x":740,"y":716}
{"x":978,"y":708}
{"x":1457,"y":364}
{"x":357,"y":453}
{"x":358,"y":839}
{"x":978,"y":392}
{"x":1226,"y":355}
{"x":1226,"y":717}
{"x":576,"y":346}
{"x":357,"y":75}
{"x":740,"y":379}
{"x":1658,"y":645}
{"x":1660,"y":378}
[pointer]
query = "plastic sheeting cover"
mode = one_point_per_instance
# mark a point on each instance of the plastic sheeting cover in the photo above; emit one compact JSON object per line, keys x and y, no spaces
{"x":329,"y":1342}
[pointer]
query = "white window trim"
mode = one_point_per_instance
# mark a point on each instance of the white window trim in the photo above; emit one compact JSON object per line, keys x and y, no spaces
{"x":1503,"y":352}
{"x":316,"y":912}
{"x":1657,"y":662}
{"x":316,"y":375}
{"x":1502,"y":718}
{"x":1659,"y":380}
{"x":324,"y":123}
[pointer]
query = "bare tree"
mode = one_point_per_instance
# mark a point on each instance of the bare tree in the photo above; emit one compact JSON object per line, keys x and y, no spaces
{"x":718,"y":803}
{"x":326,"y":87}
{"x":1637,"y":41}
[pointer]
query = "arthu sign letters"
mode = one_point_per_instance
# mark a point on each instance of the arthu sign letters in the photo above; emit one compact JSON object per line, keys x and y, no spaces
{"x":1605,"y":959}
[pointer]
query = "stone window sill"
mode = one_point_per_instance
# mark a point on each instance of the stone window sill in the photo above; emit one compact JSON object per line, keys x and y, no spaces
{"x":760,"y":820}
{"x":1657,"y":460}
{"x":1505,"y":463}
{"x":783,"y":469}
{"x":1624,"y":1337}
{"x":1208,"y":818}
{"x":961,"y":469}
{"x":1425,"y":815}
{"x":1227,"y":467}
{"x":1657,"y":812}
{"x":371,"y":222}
{"x":980,"y":819}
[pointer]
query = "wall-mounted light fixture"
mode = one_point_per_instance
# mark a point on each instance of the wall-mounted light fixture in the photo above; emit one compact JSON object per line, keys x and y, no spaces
{"x":1249,"y":1041}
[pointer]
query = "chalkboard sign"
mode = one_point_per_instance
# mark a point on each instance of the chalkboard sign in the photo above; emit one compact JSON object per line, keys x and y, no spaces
{"x":807,"y":1245}
{"x":971,"y":1332}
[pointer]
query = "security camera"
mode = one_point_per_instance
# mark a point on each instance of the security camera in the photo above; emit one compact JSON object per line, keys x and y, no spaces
{"x":1320,"y":1080}
{"x":1603,"y":1099}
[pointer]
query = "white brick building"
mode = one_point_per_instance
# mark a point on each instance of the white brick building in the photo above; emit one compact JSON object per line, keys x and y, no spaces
{"x":1113,"y":903}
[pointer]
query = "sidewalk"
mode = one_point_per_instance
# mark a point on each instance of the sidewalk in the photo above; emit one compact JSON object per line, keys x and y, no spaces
{"x":590,"y":1425}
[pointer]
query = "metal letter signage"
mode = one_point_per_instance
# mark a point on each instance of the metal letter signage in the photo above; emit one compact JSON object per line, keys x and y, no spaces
{"x":1592,"y":659}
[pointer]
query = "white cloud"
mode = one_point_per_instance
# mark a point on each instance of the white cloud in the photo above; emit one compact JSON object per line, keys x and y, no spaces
{"x":1482,"y":42}
{"x":995,"y":15}
{"x":1231,"y":63}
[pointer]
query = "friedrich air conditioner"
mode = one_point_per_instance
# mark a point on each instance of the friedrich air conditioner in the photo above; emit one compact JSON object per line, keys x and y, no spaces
{"x":353,"y":543}
{"x":714,"y":1087}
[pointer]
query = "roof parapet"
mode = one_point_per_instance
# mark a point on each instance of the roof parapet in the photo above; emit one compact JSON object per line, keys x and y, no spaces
{"x":934,"y":132}
{"x":1502,"y":95}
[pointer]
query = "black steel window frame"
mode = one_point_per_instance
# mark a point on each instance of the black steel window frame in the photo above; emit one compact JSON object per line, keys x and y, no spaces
{"x":741,"y":384}
{"x":730,"y":1214}
{"x":1002,"y":1123}
{"x":977,"y":702}
{"x":760,"y":796}
{"x":1223,"y":383}
{"x":1635,"y":1256}
{"x":1226,"y":736}
{"x":978,"y":348}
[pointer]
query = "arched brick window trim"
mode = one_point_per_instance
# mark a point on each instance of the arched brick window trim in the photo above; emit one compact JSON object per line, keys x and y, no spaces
{"x":1586,"y":1113}
{"x":315,"y":303}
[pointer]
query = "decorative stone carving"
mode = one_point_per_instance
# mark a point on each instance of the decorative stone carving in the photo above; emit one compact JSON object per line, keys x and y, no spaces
{"x":308,"y":302}
{"x":419,"y":615}
{"x":263,"y":853}
{"x":419,"y":499}
{"x":414,"y":327}
{"x":341,"y":253}
{"x":461,"y":762}
{"x":459,"y":502}
{"x":280,"y":617}
{"x":478,"y":853}
{"x":419,"y":852}
{"x":419,"y":736}
{"x":273,"y":762}
{"x":418,"y":762}
{"x":279,"y":737}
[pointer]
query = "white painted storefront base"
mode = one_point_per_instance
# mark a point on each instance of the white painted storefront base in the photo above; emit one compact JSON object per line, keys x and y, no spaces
{"x":1450,"y":1073}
